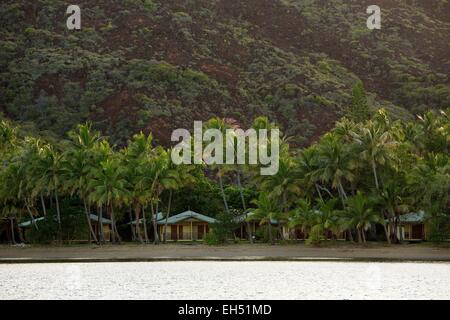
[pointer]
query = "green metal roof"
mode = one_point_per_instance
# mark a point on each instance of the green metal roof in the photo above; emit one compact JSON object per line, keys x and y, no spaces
{"x":413,"y":217}
{"x":243,"y":217}
{"x":159,"y":216}
{"x":104,"y":220}
{"x":93,"y":217}
{"x":28,"y":223}
{"x":187,"y":215}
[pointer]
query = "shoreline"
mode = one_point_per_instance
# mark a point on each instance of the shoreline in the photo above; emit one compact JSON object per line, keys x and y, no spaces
{"x":239,"y":252}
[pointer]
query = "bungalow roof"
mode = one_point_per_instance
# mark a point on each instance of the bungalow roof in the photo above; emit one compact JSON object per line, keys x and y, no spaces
{"x":187,"y":215}
{"x":93,"y":217}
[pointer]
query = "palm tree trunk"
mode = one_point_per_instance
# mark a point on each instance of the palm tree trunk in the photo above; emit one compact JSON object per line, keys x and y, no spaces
{"x":13,"y":238}
{"x":32,"y":218}
{"x":119,"y":238}
{"x":22,"y":240}
{"x":58,"y":211}
{"x":359,"y":235}
{"x":58,"y":216}
{"x":116,"y":235}
{"x":138,"y":225}
{"x":363,"y":233}
{"x":133,"y":231}
{"x":342,"y":190}
{"x":100,"y":224}
{"x":111,"y":216}
{"x":155,"y":226}
{"x":388,"y":238}
{"x":167,"y":216}
{"x":244,"y":206}
{"x":270,"y":233}
{"x":44,"y":208}
{"x":350,"y":236}
{"x":319,"y":192}
{"x":144,"y":219}
{"x":88,"y":217}
{"x":222,"y":191}
{"x":375,"y":176}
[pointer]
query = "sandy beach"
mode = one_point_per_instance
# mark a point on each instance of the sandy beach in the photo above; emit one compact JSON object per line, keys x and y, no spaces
{"x":258,"y":252}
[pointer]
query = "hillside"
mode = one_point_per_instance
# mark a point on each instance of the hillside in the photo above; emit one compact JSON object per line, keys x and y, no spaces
{"x":158,"y":65}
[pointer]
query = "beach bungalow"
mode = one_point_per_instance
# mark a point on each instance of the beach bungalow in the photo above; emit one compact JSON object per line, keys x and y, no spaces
{"x":412,"y":227}
{"x":245,"y":221}
{"x":185,"y":226}
{"x":94,"y":221}
{"x":106,"y":223}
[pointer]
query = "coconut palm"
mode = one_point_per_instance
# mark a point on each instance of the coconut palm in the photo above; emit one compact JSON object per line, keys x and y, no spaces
{"x":222,"y":170}
{"x":303,"y":217}
{"x":136,"y":157}
{"x":108,"y":189}
{"x":335,"y":164}
{"x":360,"y":214}
{"x":429,"y":183}
{"x":77,"y":167}
{"x":266,"y":212}
{"x":48,"y":168}
{"x":325,"y":218}
{"x":375,"y":147}
{"x":285,"y":184}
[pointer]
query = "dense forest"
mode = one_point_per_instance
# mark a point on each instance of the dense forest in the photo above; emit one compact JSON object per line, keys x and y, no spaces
{"x":86,"y":115}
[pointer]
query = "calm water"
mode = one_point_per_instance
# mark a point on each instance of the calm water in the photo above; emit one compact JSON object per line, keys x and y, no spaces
{"x":226,"y":280}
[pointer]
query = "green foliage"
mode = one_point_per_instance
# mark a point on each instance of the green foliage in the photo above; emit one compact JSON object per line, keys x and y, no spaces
{"x":222,"y":230}
{"x":359,"y":109}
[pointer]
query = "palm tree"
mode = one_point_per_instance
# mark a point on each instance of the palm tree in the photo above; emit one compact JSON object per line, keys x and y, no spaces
{"x":375,"y":147}
{"x":284,"y":185}
{"x":136,"y":157}
{"x":266,"y":212}
{"x":304,"y":216}
{"x":77,"y":167}
{"x":429,"y":183}
{"x":222,"y":170}
{"x":48,"y":168}
{"x":108,"y":189}
{"x":360,"y":214}
{"x":335,"y":164}
{"x":325,"y":218}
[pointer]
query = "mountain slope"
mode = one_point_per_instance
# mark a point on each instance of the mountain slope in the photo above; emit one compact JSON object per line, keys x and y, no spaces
{"x":159,"y":65}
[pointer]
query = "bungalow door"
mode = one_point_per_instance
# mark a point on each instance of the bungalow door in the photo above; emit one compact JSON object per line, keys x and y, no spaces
{"x":417,"y":231}
{"x":200,"y":231}
{"x":173,"y":232}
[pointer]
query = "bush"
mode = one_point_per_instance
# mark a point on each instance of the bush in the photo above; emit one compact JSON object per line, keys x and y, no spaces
{"x":211,"y":239}
{"x":263,"y":233}
{"x":222,"y":230}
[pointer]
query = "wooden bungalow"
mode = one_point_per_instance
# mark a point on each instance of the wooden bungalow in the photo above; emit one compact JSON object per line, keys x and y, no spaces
{"x":106,"y":223}
{"x":412,"y":227}
{"x":94,"y":221}
{"x":185,"y":226}
{"x":245,"y":221}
